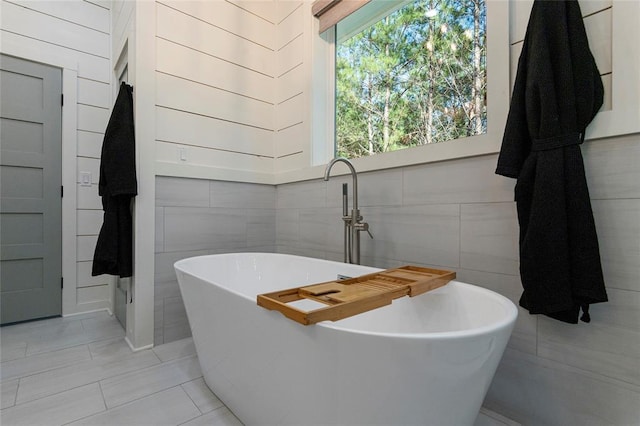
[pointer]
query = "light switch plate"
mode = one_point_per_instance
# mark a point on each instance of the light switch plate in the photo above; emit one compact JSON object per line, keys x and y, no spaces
{"x":85,"y":178}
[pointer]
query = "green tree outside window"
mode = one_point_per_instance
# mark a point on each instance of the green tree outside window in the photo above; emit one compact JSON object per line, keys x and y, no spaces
{"x":416,"y":77}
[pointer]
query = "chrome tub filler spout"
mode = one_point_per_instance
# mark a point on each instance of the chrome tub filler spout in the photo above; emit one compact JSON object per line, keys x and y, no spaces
{"x":353,"y":223}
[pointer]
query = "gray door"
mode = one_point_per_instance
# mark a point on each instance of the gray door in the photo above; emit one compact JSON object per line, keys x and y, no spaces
{"x":30,"y":190}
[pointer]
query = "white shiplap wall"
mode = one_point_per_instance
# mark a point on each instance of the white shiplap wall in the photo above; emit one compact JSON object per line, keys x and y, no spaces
{"x":78,"y":31}
{"x":292,"y":135}
{"x":215,"y":87}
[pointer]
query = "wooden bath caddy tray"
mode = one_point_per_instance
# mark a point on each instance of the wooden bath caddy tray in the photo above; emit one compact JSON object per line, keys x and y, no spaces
{"x":345,"y":298}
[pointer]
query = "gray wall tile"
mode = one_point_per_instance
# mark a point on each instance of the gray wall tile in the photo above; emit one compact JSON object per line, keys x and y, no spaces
{"x":159,"y":242}
{"x":535,"y":391}
{"x":618,"y":228}
{"x":164,"y":264}
{"x":608,"y":345}
{"x":197,"y":217}
{"x":174,"y":311}
{"x":287,"y":227}
{"x":188,"y":228}
{"x":489,"y":238}
{"x":261,"y":227}
{"x":422,"y":234}
{"x":311,"y":194}
{"x":172,"y":191}
{"x":612,"y":167}
{"x":469,"y":180}
{"x":374,"y":189}
{"x":242,"y":195}
{"x":313,"y":226}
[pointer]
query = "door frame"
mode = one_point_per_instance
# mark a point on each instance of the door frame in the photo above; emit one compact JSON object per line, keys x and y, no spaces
{"x":69,"y":68}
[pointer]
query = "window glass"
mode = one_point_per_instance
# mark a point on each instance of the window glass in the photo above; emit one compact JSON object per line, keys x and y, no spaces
{"x":415,"y":76}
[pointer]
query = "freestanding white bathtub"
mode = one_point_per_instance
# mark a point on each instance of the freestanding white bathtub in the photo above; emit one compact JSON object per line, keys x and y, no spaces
{"x":426,"y":360}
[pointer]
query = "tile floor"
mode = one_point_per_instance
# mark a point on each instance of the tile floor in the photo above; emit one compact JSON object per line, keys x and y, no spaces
{"x":79,"y":370}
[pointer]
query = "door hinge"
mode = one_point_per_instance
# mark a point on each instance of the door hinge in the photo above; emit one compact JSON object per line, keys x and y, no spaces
{"x":61,"y":99}
{"x":61,"y":282}
{"x":61,"y":191}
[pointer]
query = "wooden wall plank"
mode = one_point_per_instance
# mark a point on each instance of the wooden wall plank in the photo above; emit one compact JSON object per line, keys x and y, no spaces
{"x":184,"y":95}
{"x":43,"y":27}
{"x":227,"y":16}
{"x":192,"y":129}
{"x":290,"y":112}
{"x":89,"y":66}
{"x":168,"y":153}
{"x":190,"y":64}
{"x":79,"y":12}
{"x":188,"y":31}
{"x":291,"y":28}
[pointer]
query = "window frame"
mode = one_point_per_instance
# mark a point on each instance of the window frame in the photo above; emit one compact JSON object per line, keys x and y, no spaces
{"x":323,"y":106}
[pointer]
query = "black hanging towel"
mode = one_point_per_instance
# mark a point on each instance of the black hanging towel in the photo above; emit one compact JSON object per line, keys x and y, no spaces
{"x":114,"y":249}
{"x":557,"y":93}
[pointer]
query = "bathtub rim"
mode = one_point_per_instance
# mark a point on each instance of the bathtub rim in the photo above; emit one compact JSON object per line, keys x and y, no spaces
{"x":508,"y":321}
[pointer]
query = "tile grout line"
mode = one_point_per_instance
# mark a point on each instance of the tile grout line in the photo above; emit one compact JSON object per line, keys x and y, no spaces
{"x":194,"y":403}
{"x":147,"y":396}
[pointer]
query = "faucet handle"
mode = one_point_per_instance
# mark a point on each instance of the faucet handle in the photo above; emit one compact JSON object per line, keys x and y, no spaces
{"x":363,"y":226}
{"x":369,"y":232}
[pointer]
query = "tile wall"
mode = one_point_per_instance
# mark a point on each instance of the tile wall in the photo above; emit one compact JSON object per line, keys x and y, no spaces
{"x":197,"y":217}
{"x":460,"y":215}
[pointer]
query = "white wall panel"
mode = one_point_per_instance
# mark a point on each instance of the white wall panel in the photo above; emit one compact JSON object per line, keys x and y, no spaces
{"x":168,"y":152}
{"x":290,"y":56}
{"x":89,"y":144}
{"x":86,"y":280}
{"x":122,"y":23}
{"x":106,"y":4}
{"x":92,"y":118}
{"x":263,"y":8}
{"x":598,"y":29}
{"x":93,"y":294}
{"x":227,"y":15}
{"x":291,"y":27}
{"x":86,"y":246}
{"x":19,"y":20}
{"x":292,"y":162}
{"x":94,"y":93}
{"x":206,"y":132}
{"x":291,"y":83}
{"x":88,"y":198}
{"x":286,"y":8}
{"x":589,"y":7}
{"x":291,"y":140}
{"x":91,"y":165}
{"x":89,"y":66}
{"x":183,"y":29}
{"x":518,"y":18}
{"x":290,"y":112}
{"x":190,"y":64}
{"x":89,"y":222}
{"x":188,"y":96}
{"x":79,"y":12}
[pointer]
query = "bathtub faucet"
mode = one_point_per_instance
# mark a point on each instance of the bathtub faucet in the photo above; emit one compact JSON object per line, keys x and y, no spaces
{"x":353,"y":224}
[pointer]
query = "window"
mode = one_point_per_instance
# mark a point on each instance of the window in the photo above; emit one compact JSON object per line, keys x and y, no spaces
{"x":441,"y":88}
{"x":413,"y":77}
